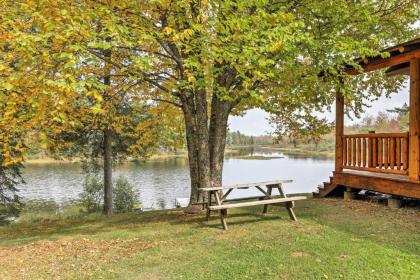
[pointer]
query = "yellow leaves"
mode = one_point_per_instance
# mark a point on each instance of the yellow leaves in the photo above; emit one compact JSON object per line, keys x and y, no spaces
{"x":168,"y":31}
{"x":7,"y":86}
{"x":9,"y":161}
{"x":2,"y":66}
{"x":276,"y":46}
{"x":184,"y":35}
{"x":287,"y":17}
{"x":97,"y":109}
{"x":97,"y":96}
{"x":176,"y":38}
{"x":118,"y":129}
{"x":61,"y":101}
{"x":10,"y":152}
{"x":191,"y":78}
{"x":187,"y":33}
{"x":43,"y":139}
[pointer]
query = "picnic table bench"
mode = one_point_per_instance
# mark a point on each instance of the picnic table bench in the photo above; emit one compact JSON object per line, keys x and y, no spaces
{"x":222,"y":203}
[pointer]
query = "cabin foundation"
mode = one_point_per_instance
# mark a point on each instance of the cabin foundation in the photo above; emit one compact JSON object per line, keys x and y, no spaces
{"x":394,"y":202}
{"x":349,"y":194}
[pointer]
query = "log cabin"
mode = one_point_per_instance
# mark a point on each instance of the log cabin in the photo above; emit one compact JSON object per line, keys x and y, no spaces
{"x":381,"y":162}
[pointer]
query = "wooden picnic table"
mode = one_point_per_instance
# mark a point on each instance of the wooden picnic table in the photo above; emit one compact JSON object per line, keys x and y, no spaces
{"x":222,"y":203}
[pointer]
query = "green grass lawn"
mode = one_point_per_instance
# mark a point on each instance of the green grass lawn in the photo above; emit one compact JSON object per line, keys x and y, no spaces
{"x":333,"y":239}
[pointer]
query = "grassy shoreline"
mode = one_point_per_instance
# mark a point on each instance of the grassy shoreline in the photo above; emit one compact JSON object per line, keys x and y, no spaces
{"x":333,"y":239}
{"x":230,"y":151}
{"x":47,"y":160}
{"x":305,"y":152}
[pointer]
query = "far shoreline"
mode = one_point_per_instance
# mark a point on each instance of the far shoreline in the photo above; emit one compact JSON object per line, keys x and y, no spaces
{"x":230,"y":151}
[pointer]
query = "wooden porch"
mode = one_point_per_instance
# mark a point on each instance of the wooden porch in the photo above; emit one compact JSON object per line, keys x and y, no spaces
{"x":381,"y":162}
{"x":393,"y":184}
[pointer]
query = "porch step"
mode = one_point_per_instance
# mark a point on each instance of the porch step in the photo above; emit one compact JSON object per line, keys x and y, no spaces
{"x":325,"y":188}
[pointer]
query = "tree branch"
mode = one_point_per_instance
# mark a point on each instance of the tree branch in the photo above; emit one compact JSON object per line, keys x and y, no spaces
{"x":167,"y":101}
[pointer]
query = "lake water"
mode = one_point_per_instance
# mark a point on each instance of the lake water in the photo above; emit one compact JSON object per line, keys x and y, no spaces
{"x":159,"y":182}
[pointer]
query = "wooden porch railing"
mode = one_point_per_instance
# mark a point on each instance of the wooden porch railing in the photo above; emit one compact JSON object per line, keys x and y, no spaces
{"x":376,"y":152}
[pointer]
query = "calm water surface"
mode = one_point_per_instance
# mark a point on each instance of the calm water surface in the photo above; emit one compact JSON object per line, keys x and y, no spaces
{"x":159,"y":182}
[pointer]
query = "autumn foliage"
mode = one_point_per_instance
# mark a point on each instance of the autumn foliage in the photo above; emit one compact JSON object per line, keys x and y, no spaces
{"x":66,"y":66}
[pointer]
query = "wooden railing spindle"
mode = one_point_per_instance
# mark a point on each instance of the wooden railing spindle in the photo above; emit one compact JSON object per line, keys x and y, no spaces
{"x":398,"y":158}
{"x":392,"y":152}
{"x":405,"y":153}
{"x":364,"y":153}
{"x":380,"y":153}
{"x":345,"y":139}
{"x":377,"y":152}
{"x":374,"y":152}
{"x":386,"y":152}
{"x":349,"y":161}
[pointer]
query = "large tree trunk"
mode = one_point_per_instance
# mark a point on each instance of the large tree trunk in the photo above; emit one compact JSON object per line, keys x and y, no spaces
{"x":220,"y":111}
{"x":192,"y":153}
{"x":196,"y":125}
{"x":202,"y":135}
{"x":206,"y":144}
{"x":107,"y":172}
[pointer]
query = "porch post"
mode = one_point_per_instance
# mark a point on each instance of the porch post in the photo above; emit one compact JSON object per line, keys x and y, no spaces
{"x":339,"y":130}
{"x":414,"y":144}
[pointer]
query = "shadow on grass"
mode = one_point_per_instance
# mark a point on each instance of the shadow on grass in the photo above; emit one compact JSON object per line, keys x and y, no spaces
{"x":380,"y":226}
{"x":232,"y":220}
{"x":128,"y":222}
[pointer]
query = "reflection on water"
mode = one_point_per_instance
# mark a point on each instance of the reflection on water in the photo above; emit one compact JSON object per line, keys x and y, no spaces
{"x":161,"y":181}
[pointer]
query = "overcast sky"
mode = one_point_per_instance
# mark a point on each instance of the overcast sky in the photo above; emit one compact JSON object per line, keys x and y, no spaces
{"x":255,"y":122}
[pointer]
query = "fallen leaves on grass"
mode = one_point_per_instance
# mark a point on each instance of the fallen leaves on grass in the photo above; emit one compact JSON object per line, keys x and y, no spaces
{"x":343,"y":257}
{"x":403,"y":216}
{"x":72,"y":258}
{"x":299,"y":254}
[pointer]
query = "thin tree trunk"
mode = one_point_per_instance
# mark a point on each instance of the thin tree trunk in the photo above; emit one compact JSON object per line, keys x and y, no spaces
{"x":107,"y":144}
{"x":107,"y":172}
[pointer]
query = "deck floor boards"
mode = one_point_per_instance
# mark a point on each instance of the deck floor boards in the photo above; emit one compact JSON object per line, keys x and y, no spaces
{"x":378,"y":175}
{"x":399,"y":185}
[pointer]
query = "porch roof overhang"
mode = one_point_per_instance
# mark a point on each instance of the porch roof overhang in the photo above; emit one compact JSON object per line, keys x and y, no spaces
{"x":397,"y":61}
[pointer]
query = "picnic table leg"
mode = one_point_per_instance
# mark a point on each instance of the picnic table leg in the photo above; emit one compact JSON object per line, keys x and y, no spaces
{"x":269,"y":191}
{"x":208,"y":207}
{"x":204,"y":203}
{"x":223,"y":213}
{"x":289,"y":205}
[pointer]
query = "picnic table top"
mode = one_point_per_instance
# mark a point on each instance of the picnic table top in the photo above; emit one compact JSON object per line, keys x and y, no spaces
{"x":247,"y":185}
